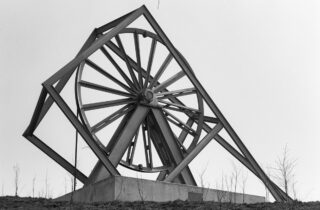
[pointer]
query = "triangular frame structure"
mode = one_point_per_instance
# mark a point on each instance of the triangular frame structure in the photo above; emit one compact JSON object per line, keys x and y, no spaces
{"x":54,"y":85}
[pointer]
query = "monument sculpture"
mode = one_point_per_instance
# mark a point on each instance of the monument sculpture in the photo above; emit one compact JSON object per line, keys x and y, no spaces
{"x":150,"y":106}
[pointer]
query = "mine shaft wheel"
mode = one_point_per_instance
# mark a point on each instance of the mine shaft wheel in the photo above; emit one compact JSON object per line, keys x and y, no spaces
{"x":138,"y":87}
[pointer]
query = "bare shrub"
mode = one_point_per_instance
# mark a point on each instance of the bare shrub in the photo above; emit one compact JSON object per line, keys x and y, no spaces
{"x":229,"y":187}
{"x":204,"y":186}
{"x":33,"y":185}
{"x":16,"y":171}
{"x":235,"y":177}
{"x":244,"y":178}
{"x":221,"y":193}
{"x":47,"y":191}
{"x":285,"y":172}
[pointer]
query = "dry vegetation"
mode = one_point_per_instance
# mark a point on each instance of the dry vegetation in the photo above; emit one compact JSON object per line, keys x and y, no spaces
{"x":10,"y":202}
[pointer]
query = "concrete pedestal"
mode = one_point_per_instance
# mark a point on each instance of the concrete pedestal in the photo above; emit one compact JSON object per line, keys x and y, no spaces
{"x":132,"y":189}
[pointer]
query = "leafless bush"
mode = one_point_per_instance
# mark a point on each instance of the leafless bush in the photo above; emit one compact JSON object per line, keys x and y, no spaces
{"x":244,"y":178}
{"x":285,"y":173}
{"x":72,"y":187}
{"x":204,"y":186}
{"x":221,"y":193}
{"x":33,"y":185}
{"x":16,"y":170}
{"x":229,"y":187}
{"x":235,"y":177}
{"x":71,"y":183}
{"x":47,"y":191}
{"x":294,"y":192}
{"x":41,"y":193}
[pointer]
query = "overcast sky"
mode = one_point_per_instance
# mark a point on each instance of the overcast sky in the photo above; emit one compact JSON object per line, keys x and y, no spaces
{"x":258,"y":60}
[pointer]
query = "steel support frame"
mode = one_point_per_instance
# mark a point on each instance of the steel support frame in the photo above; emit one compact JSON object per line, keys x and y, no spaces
{"x":96,"y":41}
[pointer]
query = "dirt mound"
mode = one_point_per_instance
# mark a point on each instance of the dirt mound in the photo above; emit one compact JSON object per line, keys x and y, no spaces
{"x":9,"y":202}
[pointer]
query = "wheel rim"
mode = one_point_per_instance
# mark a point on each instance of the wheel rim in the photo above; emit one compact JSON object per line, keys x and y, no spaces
{"x":140,"y":87}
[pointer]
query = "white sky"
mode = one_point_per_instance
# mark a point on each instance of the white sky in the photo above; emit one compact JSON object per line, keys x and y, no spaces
{"x":258,"y":60}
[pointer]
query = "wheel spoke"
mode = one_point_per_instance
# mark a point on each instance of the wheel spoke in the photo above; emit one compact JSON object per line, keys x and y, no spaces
{"x":106,"y":74}
{"x":132,"y":148}
{"x":103,"y":123}
{"x":137,"y":48}
{"x":104,"y":89}
{"x":116,"y":50}
{"x":163,"y":67}
{"x":133,"y":76}
{"x":146,"y":143}
{"x":182,"y":107}
{"x":150,"y":61}
{"x":183,"y":135}
{"x":105,"y":104}
{"x":176,"y":93}
{"x":118,"y":68}
{"x":207,"y":119}
{"x":149,"y":144}
{"x":169,"y":81}
{"x":179,"y":123}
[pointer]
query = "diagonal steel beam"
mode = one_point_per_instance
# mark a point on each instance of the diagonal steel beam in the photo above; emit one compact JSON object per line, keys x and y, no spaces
{"x":184,"y":163}
{"x":173,"y":146}
{"x":109,"y":147}
{"x":113,"y":23}
{"x":163,"y":151}
{"x":36,"y":114}
{"x":127,"y":134}
{"x":62,"y":82}
{"x":121,"y":143}
{"x":237,"y":155}
{"x":82,"y":130}
{"x":57,"y":158}
{"x":94,"y":46}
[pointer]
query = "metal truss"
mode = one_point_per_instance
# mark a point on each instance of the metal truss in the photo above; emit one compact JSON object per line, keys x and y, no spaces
{"x":149,"y":109}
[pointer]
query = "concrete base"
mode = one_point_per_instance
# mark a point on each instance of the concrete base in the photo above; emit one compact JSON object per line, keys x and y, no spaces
{"x":131,"y":189}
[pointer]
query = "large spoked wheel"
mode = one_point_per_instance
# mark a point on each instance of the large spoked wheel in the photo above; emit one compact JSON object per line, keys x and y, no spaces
{"x":132,"y":85}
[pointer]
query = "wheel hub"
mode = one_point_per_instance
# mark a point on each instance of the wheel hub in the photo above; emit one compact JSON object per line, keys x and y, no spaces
{"x":148,"y":95}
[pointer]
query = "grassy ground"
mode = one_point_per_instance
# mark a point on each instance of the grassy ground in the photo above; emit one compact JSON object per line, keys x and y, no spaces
{"x":9,"y":202}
